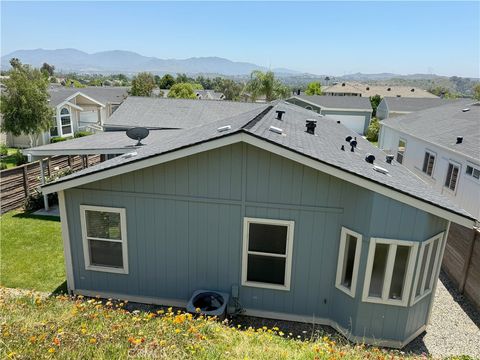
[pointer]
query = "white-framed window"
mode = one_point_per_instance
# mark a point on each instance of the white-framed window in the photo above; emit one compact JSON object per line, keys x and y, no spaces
{"x":104,"y":234}
{"x":473,"y":171}
{"x":66,"y":122}
{"x":54,"y":128}
{"x":402,"y":146}
{"x":389,"y":272}
{"x":267,"y":253}
{"x":452,"y":176}
{"x":428,"y":162}
{"x":348,"y":261}
{"x":427,"y":267}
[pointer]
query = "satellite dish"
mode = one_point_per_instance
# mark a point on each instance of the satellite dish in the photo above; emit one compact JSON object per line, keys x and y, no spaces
{"x":138,"y":133}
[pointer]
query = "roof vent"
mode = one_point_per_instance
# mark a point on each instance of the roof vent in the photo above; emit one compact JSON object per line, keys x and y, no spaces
{"x":388,"y":89}
{"x":412,"y":90}
{"x":342,"y":148}
{"x":138,"y":133}
{"x":389,"y":158}
{"x":370,"y":158}
{"x":353,"y":143}
{"x":348,"y":138}
{"x":368,"y":88}
{"x":380,"y":169}
{"x":280,"y":114}
{"x":338,"y":121}
{"x":466,"y":109}
{"x":343,"y":84}
{"x":459,"y":139}
{"x":398,"y":95}
{"x":275,"y":130}
{"x":298,"y":92}
{"x":311,"y":125}
{"x":224,"y":128}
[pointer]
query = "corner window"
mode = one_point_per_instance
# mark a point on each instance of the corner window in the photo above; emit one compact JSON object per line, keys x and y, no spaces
{"x":104,"y":238}
{"x":389,"y":271}
{"x":267,"y":253}
{"x":348,"y":261}
{"x":473,"y":172}
{"x":428,"y":163}
{"x":402,"y":145}
{"x":66,"y":122}
{"x":427,"y":267}
{"x":452,"y":176}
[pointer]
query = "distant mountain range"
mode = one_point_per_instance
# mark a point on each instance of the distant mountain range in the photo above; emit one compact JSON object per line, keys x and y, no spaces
{"x":72,"y":60}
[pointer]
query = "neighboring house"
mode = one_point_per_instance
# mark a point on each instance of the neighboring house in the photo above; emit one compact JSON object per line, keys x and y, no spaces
{"x":394,"y":106}
{"x":352,"y":111}
{"x":365,"y":90}
{"x":76,"y":109}
{"x":264,"y":206}
{"x":442,"y":146}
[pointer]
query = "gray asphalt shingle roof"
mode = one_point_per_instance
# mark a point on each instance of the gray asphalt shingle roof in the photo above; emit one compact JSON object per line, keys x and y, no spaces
{"x":173,"y":113}
{"x":105,"y":94}
{"x":338,"y":102}
{"x":324,"y":147}
{"x":442,"y":124}
{"x":404,"y":104}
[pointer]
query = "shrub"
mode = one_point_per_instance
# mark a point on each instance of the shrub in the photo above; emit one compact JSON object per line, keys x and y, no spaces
{"x":19,"y":158}
{"x":34,"y":201}
{"x":79,"y":134}
{"x":3,"y":150}
{"x":59,"y":139}
{"x":373,"y":129}
{"x":3,"y":166}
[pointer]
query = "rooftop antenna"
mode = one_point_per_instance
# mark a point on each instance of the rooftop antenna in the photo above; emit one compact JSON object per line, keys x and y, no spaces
{"x":138,"y":133}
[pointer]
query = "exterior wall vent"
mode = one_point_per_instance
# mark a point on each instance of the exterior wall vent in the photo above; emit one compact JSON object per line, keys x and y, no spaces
{"x":224,"y":128}
{"x":370,"y":158}
{"x":275,"y":129}
{"x":459,"y":139}
{"x":380,"y":169}
{"x":280,"y":114}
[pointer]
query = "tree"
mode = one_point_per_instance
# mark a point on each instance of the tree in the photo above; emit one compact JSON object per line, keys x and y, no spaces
{"x":261,"y":83}
{"x":443,"y":92}
{"x":314,"y":88}
{"x":142,"y":84}
{"x":182,"y":91}
{"x":15,"y":63}
{"x":230,"y":89}
{"x":373,"y":129}
{"x":374,"y":101}
{"x":183,"y":78}
{"x":47,"y":69}
{"x":166,"y":81}
{"x":476,"y":92}
{"x":24,"y":103}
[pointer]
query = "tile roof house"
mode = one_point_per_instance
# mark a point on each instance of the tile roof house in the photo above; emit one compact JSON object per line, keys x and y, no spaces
{"x":295,"y":217}
{"x":352,"y":111}
{"x":76,"y":109}
{"x":394,"y":106}
{"x":365,"y":90}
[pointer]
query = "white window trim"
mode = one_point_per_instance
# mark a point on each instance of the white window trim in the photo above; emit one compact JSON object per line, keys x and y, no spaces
{"x":61,"y":125}
{"x":288,"y":256}
{"x":387,"y":280}
{"x":340,"y":264}
{"x":430,"y":153}
{"x":447,"y":188}
{"x":475,"y":167}
{"x":423,"y":292}
{"x":123,"y":229}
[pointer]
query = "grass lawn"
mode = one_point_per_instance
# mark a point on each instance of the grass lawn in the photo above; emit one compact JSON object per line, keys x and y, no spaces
{"x":9,"y":159}
{"x":31,"y":254}
{"x":74,"y":328}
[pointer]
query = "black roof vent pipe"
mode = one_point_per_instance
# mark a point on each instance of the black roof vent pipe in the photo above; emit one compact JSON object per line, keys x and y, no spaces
{"x":348,"y":138}
{"x":280,"y":114}
{"x":389,"y":159}
{"x":370,"y":158}
{"x":311,"y":125}
{"x":459,"y":139}
{"x":353,"y":143}
{"x":298,"y":92}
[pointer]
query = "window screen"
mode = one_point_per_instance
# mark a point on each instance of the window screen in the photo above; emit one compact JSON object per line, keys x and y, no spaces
{"x":268,"y":238}
{"x":266,"y":269}
{"x":452,"y":175}
{"x":104,"y":225}
{"x":105,"y":253}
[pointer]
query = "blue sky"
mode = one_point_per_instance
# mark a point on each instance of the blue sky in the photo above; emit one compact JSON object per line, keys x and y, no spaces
{"x":317,"y":37}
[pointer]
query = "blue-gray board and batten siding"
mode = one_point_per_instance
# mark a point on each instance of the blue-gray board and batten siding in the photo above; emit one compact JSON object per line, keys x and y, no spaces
{"x":185,"y":223}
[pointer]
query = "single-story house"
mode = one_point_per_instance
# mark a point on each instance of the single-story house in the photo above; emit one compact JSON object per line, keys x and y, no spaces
{"x":395,"y":106}
{"x":295,"y":218}
{"x":76,"y":109}
{"x":365,"y":90}
{"x":352,"y":111}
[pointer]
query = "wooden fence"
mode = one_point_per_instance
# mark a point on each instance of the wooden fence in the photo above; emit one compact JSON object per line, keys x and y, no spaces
{"x":17,"y":183}
{"x":462,"y":261}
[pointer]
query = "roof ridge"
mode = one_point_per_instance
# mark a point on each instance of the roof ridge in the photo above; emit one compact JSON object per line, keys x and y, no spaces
{"x":257,"y":118}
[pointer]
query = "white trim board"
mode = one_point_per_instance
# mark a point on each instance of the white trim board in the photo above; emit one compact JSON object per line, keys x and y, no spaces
{"x":79,"y":93}
{"x":328,"y":108}
{"x":67,"y":252}
{"x":341,"y":266}
{"x":260,"y":313}
{"x":54,"y":152}
{"x":276,"y":149}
